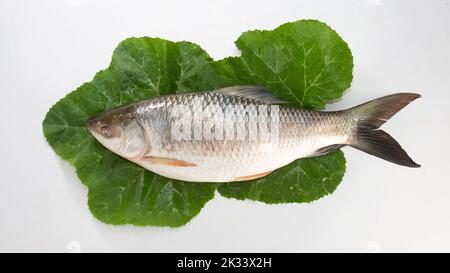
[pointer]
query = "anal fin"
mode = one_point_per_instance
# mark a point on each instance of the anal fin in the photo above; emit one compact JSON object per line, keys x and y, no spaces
{"x":251,"y":177}
{"x":327,"y":149}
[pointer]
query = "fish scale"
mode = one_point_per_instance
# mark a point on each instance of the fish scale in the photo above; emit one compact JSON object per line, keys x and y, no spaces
{"x":301,"y":133}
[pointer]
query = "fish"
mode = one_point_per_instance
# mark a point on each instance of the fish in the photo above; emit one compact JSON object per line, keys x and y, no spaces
{"x":241,"y":133}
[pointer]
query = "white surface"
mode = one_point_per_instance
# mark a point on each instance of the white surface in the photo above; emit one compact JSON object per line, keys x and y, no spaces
{"x":49,"y":48}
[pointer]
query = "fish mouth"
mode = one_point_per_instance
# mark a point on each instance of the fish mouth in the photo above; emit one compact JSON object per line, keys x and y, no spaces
{"x":92,"y":125}
{"x":95,"y":125}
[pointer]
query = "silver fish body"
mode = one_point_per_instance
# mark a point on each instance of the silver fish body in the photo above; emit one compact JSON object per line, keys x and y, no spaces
{"x":233,"y":134}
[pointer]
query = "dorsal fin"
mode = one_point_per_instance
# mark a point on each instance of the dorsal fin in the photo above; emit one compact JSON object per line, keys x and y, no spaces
{"x":257,"y":93}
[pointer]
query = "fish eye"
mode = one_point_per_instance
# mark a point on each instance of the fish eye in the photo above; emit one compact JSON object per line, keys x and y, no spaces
{"x":106,"y":131}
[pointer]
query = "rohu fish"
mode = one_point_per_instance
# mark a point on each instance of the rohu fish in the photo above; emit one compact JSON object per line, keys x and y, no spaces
{"x":241,"y":133}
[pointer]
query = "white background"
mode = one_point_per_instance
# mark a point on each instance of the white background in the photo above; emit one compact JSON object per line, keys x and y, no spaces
{"x":49,"y":48}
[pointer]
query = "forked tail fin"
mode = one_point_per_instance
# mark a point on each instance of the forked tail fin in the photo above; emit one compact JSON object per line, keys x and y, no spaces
{"x":371,"y":115}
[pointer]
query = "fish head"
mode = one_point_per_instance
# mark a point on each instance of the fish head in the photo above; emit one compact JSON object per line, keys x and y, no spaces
{"x":119,"y":131}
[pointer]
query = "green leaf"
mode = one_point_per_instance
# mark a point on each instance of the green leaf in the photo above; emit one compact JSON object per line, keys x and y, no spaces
{"x":121,"y":192}
{"x":305,"y":62}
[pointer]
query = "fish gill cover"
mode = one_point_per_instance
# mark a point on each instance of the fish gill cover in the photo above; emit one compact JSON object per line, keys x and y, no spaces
{"x":305,"y":62}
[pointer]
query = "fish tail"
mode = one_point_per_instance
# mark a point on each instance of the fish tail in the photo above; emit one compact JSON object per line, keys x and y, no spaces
{"x":370,"y":139}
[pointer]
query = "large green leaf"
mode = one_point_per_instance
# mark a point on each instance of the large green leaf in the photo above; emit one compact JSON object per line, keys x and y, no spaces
{"x":305,"y":62}
{"x":119,"y":191}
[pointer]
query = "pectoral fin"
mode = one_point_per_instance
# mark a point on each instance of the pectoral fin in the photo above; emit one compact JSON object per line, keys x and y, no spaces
{"x":251,"y":177}
{"x":168,"y":161}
